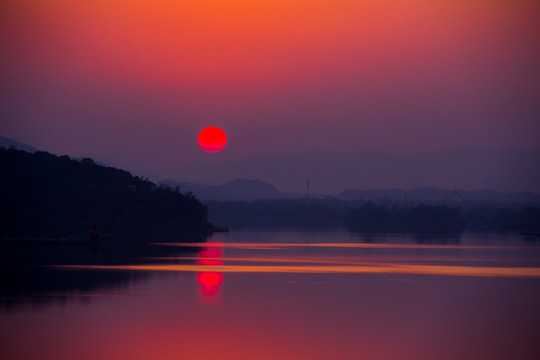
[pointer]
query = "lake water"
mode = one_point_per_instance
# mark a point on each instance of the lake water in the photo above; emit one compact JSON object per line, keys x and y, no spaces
{"x":276,"y":295}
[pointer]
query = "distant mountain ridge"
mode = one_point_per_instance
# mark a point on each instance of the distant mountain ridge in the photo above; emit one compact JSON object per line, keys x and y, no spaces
{"x":471,"y":168}
{"x":10,"y":143}
{"x":504,"y":170}
{"x":249,"y":190}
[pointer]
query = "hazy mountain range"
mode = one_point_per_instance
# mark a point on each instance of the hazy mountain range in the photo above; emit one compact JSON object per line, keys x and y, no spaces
{"x":247,"y":190}
{"x":505,"y":170}
{"x":472,"y":168}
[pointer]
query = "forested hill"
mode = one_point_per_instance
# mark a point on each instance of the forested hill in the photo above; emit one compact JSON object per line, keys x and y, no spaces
{"x":46,"y":195}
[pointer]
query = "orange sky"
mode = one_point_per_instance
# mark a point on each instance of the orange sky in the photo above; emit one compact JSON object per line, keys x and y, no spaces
{"x":205,"y":43}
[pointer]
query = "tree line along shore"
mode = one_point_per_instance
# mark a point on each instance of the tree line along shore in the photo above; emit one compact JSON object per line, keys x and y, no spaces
{"x":49,"y":195}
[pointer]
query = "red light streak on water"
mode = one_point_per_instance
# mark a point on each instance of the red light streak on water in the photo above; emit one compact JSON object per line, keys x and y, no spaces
{"x":210,"y":281}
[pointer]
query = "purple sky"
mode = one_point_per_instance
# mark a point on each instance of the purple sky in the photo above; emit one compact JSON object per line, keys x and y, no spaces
{"x":133,"y":84}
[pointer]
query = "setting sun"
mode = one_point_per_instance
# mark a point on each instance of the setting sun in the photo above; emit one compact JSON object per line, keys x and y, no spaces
{"x":212,"y":139}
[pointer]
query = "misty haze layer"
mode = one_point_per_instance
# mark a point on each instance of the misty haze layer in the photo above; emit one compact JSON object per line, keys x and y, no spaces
{"x":506,"y":170}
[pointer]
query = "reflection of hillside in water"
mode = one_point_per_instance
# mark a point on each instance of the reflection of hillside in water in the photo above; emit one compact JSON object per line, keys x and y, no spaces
{"x":28,"y":279}
{"x":40,"y":272}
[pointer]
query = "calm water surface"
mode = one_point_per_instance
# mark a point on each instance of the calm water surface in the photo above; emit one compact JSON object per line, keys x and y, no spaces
{"x":279,"y":295}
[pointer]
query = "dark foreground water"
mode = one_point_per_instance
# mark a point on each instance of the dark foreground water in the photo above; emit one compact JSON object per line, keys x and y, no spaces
{"x":277,"y":295}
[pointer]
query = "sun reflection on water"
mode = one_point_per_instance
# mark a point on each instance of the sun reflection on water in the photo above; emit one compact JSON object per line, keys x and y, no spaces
{"x":210,"y":281}
{"x":303,"y":298}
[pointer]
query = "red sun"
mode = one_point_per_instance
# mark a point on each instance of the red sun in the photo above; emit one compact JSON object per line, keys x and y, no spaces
{"x":212,"y":139}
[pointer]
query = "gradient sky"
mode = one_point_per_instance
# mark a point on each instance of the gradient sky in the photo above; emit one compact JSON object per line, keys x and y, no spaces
{"x":132,"y":82}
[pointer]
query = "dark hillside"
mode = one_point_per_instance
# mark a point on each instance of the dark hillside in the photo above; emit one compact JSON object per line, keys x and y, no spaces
{"x":46,"y":195}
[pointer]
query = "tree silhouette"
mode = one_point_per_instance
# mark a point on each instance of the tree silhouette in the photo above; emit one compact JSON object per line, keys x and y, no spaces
{"x":43,"y":194}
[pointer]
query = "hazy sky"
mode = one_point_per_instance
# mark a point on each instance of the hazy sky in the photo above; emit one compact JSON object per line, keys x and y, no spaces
{"x":133,"y":82}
